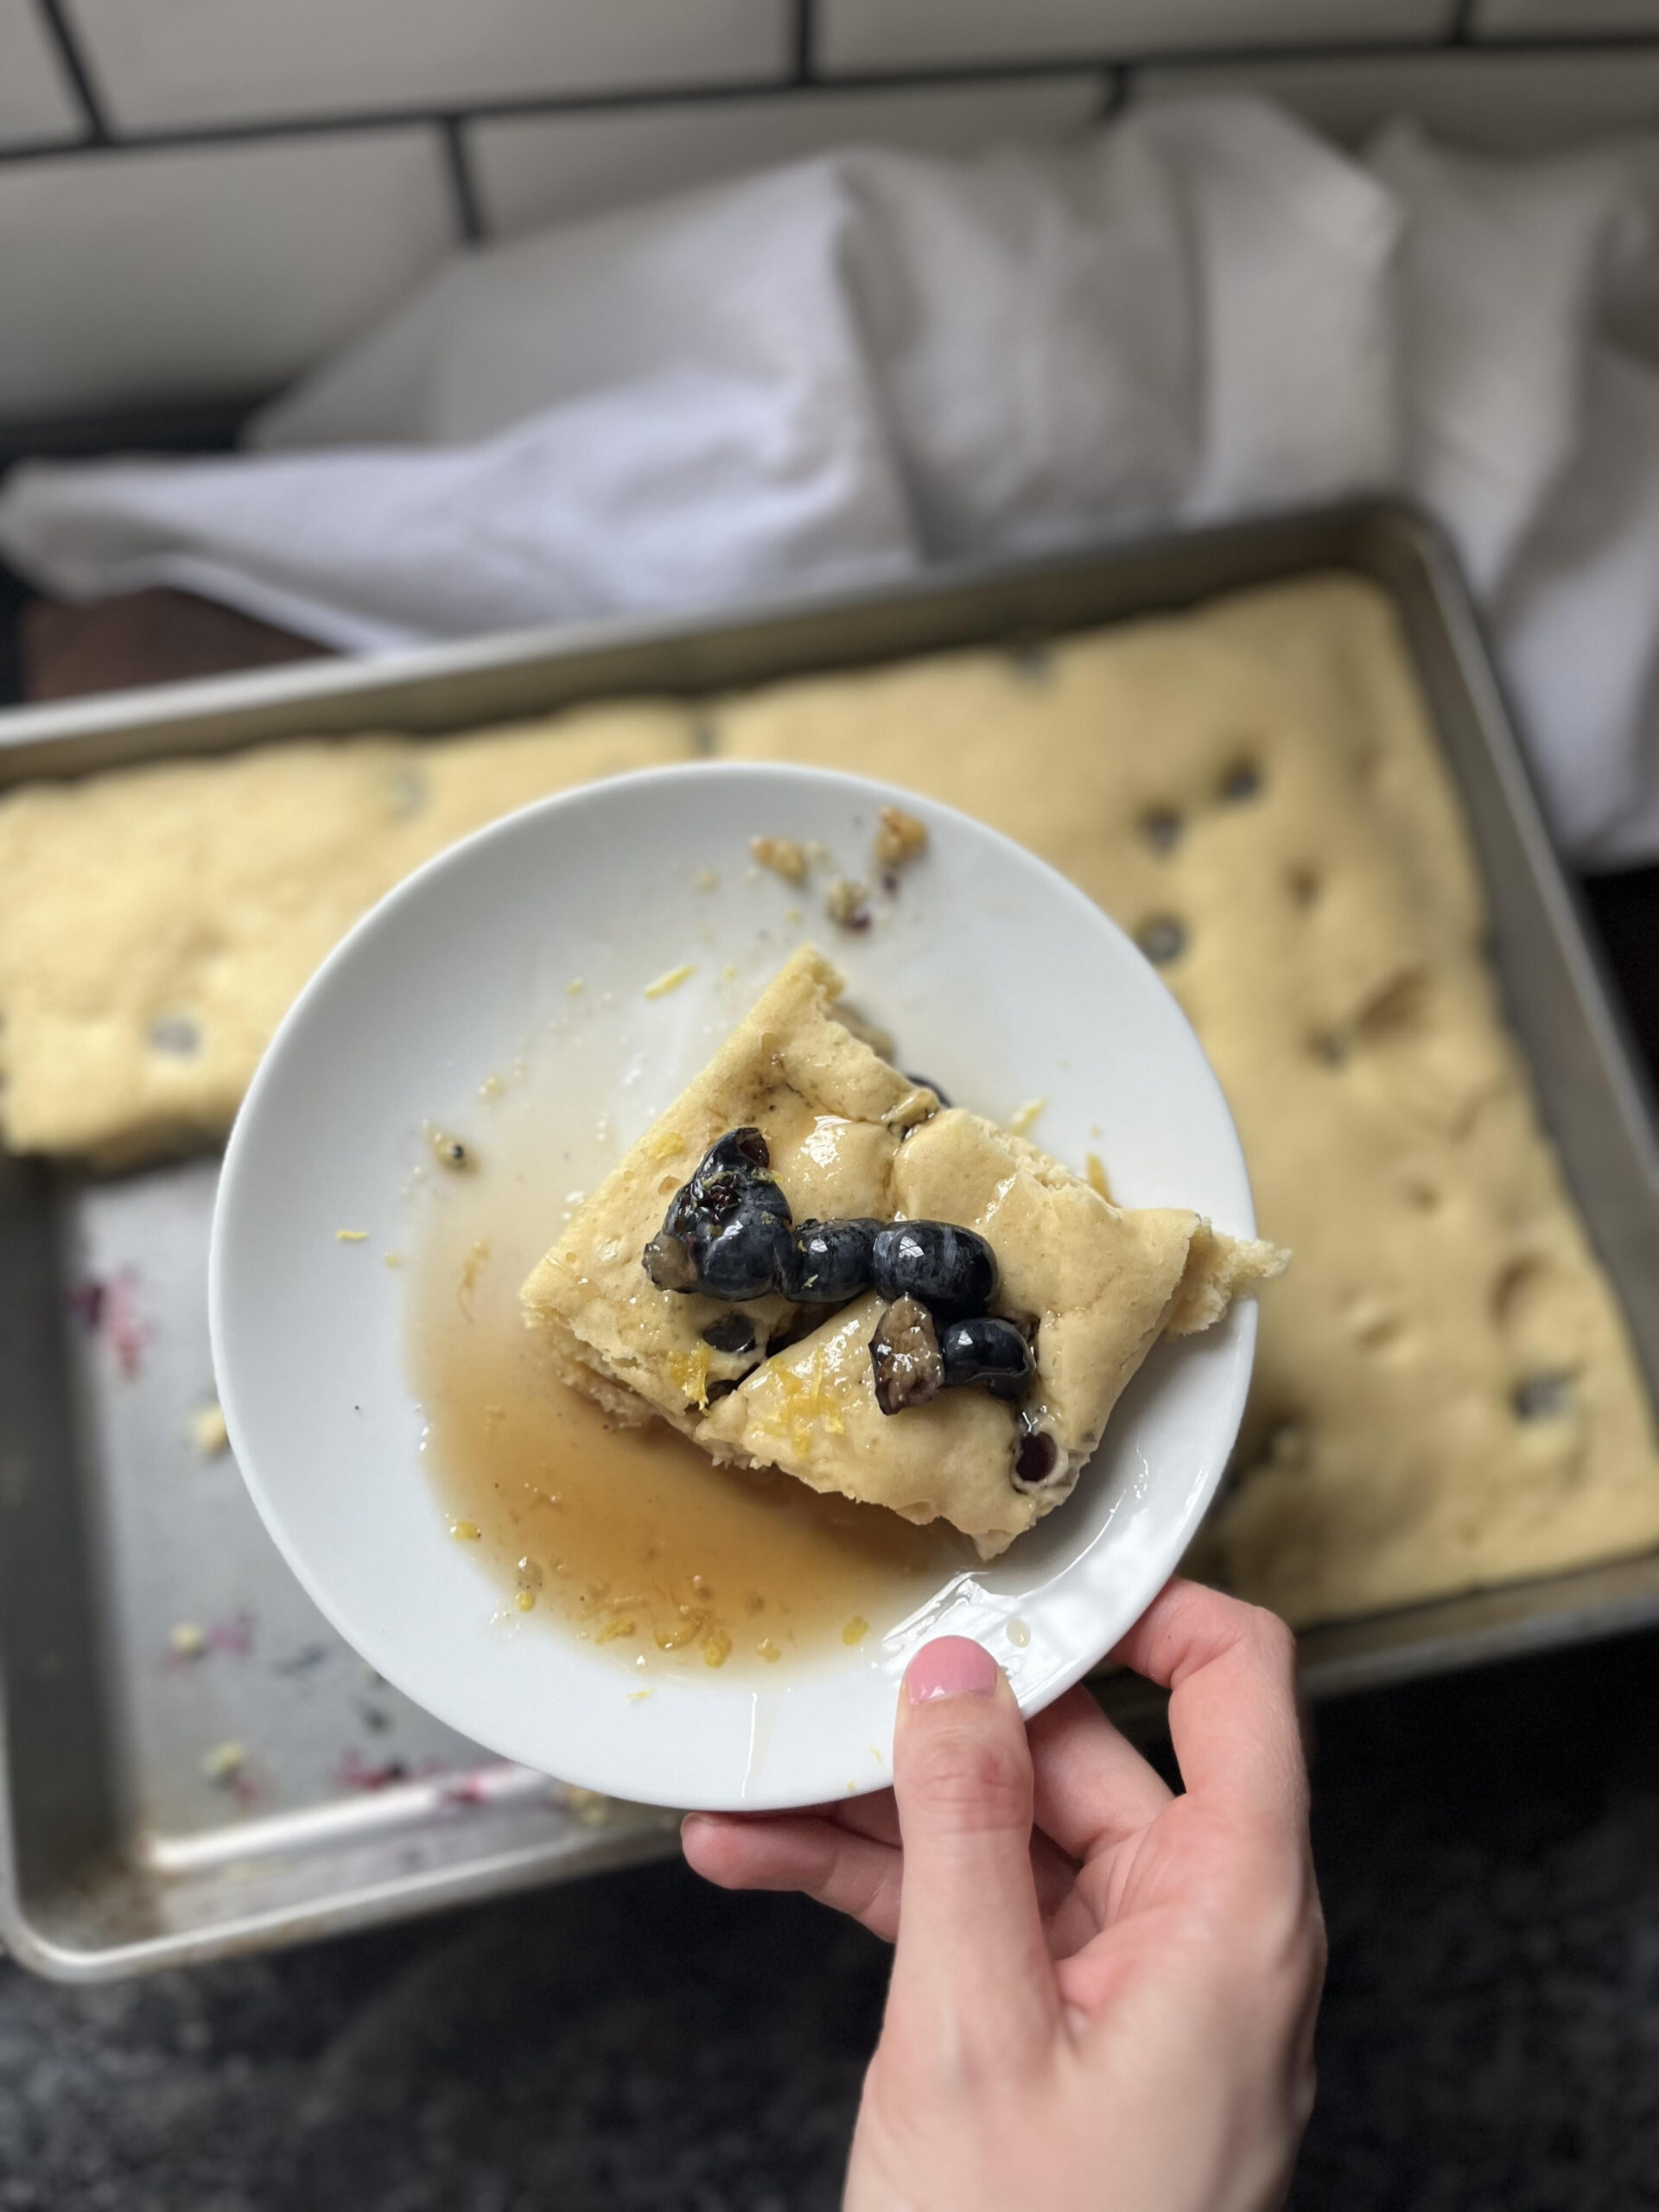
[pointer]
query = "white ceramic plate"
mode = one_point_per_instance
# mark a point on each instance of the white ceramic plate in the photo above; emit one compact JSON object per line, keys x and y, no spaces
{"x":1001,"y":982}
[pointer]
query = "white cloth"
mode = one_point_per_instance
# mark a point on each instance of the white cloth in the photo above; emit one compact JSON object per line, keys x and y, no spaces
{"x":853,"y":366}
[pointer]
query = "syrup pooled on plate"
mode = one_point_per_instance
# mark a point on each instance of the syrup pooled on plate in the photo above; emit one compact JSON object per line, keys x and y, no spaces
{"x":631,"y":1538}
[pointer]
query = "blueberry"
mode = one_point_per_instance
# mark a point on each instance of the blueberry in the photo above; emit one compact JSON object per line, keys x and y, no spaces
{"x":830,"y":1260}
{"x":1035,"y":1457}
{"x":709,"y":1203}
{"x":732,"y":1184}
{"x":741,"y":1152}
{"x":1162,"y":939}
{"x":744,"y":1256}
{"x":904,"y":1361}
{"x":732,"y":1332}
{"x":926,"y":1083}
{"x":685,"y":1212}
{"x":951,"y":1270}
{"x":1161,"y":827}
{"x":735,"y":1166}
{"x":669,"y":1262}
{"x":992,"y":1353}
{"x":764,"y":1196}
{"x":1241,"y":781}
{"x":1548,"y":1396}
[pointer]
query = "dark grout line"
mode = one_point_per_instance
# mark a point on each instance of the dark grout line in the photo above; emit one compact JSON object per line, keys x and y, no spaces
{"x":1114,"y":94}
{"x":806,"y":41}
{"x":57,"y":29}
{"x":1462,"y":31}
{"x":42,"y":149}
{"x":632,"y":98}
{"x":463,"y":187}
{"x":623,"y":101}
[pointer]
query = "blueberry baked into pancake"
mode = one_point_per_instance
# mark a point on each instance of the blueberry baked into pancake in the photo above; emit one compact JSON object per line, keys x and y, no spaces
{"x":812,"y":1263}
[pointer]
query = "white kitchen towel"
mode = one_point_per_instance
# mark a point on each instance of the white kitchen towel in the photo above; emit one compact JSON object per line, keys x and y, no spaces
{"x":853,"y":366}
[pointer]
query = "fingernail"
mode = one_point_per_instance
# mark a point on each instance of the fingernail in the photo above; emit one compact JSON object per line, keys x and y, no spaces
{"x":951,"y":1666}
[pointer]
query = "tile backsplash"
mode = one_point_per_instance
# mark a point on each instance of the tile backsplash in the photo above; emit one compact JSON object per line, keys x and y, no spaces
{"x":161,"y":63}
{"x":909,"y":34}
{"x":532,"y":170}
{"x":36,"y":96}
{"x":200,"y":197}
{"x":1514,"y":101}
{"x":209,"y":269}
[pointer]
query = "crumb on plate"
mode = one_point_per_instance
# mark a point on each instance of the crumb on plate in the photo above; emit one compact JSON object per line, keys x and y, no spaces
{"x":670,"y":980}
{"x":847,"y":904}
{"x":900,"y":838}
{"x":207,"y":1431}
{"x":448,"y":1151}
{"x":784,"y":856}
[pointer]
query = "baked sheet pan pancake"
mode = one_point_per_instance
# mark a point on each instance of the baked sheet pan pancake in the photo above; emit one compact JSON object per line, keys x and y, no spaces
{"x":192,"y":1764}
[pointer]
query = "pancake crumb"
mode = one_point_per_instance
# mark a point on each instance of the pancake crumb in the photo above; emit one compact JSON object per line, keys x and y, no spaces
{"x":783,"y":856}
{"x":900,"y":838}
{"x":671,"y":980}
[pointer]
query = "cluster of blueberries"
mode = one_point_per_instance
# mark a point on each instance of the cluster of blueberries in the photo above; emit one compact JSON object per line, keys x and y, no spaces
{"x":728,"y":1233}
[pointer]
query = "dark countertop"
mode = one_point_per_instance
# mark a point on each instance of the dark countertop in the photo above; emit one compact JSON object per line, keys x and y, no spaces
{"x":1488,"y":1848}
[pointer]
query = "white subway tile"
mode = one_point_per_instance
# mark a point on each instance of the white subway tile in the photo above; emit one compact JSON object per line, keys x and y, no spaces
{"x":541,"y":169}
{"x":1488,"y":102}
{"x":208,"y":271}
{"x":1562,"y":18}
{"x":35,"y":100}
{"x":855,"y":34}
{"x":162,"y":62}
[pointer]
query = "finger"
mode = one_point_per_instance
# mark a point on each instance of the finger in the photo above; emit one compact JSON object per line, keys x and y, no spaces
{"x":876,"y":1816}
{"x":972,"y":1965}
{"x":1230,"y":1669}
{"x":849,"y":1873}
{"x":744,"y":1851}
{"x":1053,"y":1870}
{"x":1093,"y":1787}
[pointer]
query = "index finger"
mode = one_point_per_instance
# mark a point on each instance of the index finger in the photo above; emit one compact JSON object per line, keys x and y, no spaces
{"x":1230,"y":1670}
{"x":1093,"y":1787}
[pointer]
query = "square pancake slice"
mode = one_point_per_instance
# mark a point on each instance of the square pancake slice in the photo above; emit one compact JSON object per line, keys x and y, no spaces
{"x":833,"y":1114}
{"x":1094,"y":1285}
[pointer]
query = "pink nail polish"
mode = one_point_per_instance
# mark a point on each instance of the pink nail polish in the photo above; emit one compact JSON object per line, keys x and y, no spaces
{"x":951,"y":1666}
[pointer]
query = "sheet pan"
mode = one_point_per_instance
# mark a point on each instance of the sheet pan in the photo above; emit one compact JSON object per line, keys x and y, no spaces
{"x":193,"y":1764}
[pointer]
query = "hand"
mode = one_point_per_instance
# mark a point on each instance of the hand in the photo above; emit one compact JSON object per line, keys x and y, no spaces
{"x":1111,"y":2012}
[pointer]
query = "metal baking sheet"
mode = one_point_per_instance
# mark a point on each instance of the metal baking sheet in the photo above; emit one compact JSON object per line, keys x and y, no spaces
{"x":193,"y":1763}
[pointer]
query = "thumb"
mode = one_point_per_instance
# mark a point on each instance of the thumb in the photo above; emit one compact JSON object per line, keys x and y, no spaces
{"x":970,"y":1966}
